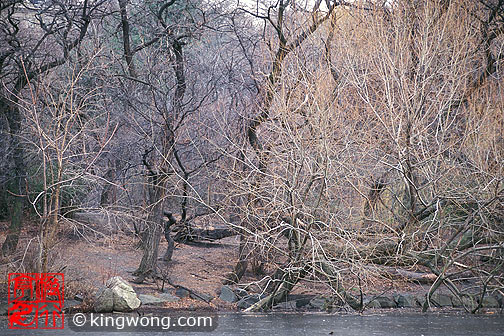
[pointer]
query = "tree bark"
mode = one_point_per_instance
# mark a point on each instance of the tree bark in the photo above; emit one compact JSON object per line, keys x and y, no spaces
{"x":241,"y":266}
{"x":128,"y":53}
{"x":109,"y":192}
{"x":167,"y":233}
{"x":18,"y":188}
{"x":283,"y":288}
{"x":152,"y":235}
{"x":266,"y":100}
{"x":28,"y":71}
{"x":158,"y":174}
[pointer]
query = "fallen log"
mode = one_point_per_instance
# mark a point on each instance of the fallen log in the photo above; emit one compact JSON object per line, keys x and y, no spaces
{"x":202,"y":235}
{"x":423,"y":278}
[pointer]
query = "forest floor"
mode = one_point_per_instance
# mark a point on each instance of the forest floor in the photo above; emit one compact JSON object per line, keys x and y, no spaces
{"x":89,"y":261}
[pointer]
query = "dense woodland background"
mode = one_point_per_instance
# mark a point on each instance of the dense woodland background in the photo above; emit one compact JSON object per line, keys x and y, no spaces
{"x":332,"y":136}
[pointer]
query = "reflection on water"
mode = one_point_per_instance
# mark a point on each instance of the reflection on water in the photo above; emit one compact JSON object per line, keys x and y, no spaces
{"x":324,"y":324}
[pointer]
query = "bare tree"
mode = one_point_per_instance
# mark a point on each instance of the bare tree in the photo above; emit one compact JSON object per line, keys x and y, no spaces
{"x":163,"y":118}
{"x":36,"y":38}
{"x":278,"y":17}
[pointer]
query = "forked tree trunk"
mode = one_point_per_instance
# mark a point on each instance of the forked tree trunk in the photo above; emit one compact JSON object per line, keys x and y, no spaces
{"x":152,"y":235}
{"x":266,"y":98}
{"x":167,"y":233}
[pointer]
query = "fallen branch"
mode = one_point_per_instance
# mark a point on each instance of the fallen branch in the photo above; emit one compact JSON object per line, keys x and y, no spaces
{"x":199,"y":235}
{"x":423,"y":278}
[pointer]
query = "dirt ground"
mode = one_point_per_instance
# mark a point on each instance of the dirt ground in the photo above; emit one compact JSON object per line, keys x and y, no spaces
{"x":89,"y":261}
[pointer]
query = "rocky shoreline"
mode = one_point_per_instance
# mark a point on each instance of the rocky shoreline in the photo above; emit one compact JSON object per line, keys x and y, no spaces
{"x":243,"y":300}
{"x":239,"y":299}
{"x":119,"y":296}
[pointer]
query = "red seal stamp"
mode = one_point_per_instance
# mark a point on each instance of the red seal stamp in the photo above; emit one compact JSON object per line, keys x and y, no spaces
{"x":36,"y":301}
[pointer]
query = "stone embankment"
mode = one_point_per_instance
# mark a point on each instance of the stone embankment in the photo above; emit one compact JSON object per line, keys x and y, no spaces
{"x":243,"y":300}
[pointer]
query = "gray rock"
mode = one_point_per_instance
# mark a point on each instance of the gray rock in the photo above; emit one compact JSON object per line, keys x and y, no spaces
{"x":125,"y":298}
{"x":104,"y":300}
{"x":385,"y":302}
{"x":182,"y":293}
{"x":245,"y":303}
{"x":406,"y":301}
{"x":71,"y":304}
{"x":437,"y":300}
{"x":150,"y":300}
{"x":168,"y":297}
{"x":79,"y":297}
{"x":456,"y":303}
{"x":421,"y":300}
{"x":240,"y":293}
{"x":373,"y":304}
{"x":319,"y":303}
{"x":227,"y":294}
{"x":49,"y":307}
{"x":490,"y":302}
{"x":117,"y":295}
{"x":467,"y":301}
{"x":301,"y":300}
{"x":4,"y":307}
{"x":248,"y":301}
{"x":441,"y":300}
{"x":288,"y":305}
{"x":202,"y":296}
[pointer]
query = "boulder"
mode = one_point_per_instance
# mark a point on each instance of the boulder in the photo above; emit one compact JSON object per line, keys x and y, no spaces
{"x":125,"y":298}
{"x":441,"y":300}
{"x":240,"y":293}
{"x":150,"y":300}
{"x":182,"y":293}
{"x":385,"y":302}
{"x":406,"y":301}
{"x":69,"y":304}
{"x":318,"y":303}
{"x":300,"y":299}
{"x":117,"y":295}
{"x":437,"y":300}
{"x":104,"y":300}
{"x":201,"y":296}
{"x":227,"y":294}
{"x":249,"y":301}
{"x":4,"y":308}
{"x":372,"y":304}
{"x":490,"y":302}
{"x":287,"y":305}
{"x":467,"y":301}
{"x":168,"y":297}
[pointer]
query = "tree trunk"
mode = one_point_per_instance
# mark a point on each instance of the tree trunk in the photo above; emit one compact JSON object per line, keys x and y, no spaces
{"x":152,"y":235}
{"x":18,"y":189}
{"x":167,"y":230}
{"x":109,"y":192}
{"x":284,"y":287}
{"x":128,"y":54}
{"x":158,"y":173}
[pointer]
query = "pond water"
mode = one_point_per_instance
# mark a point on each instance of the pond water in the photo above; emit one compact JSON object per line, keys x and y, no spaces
{"x":327,"y":324}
